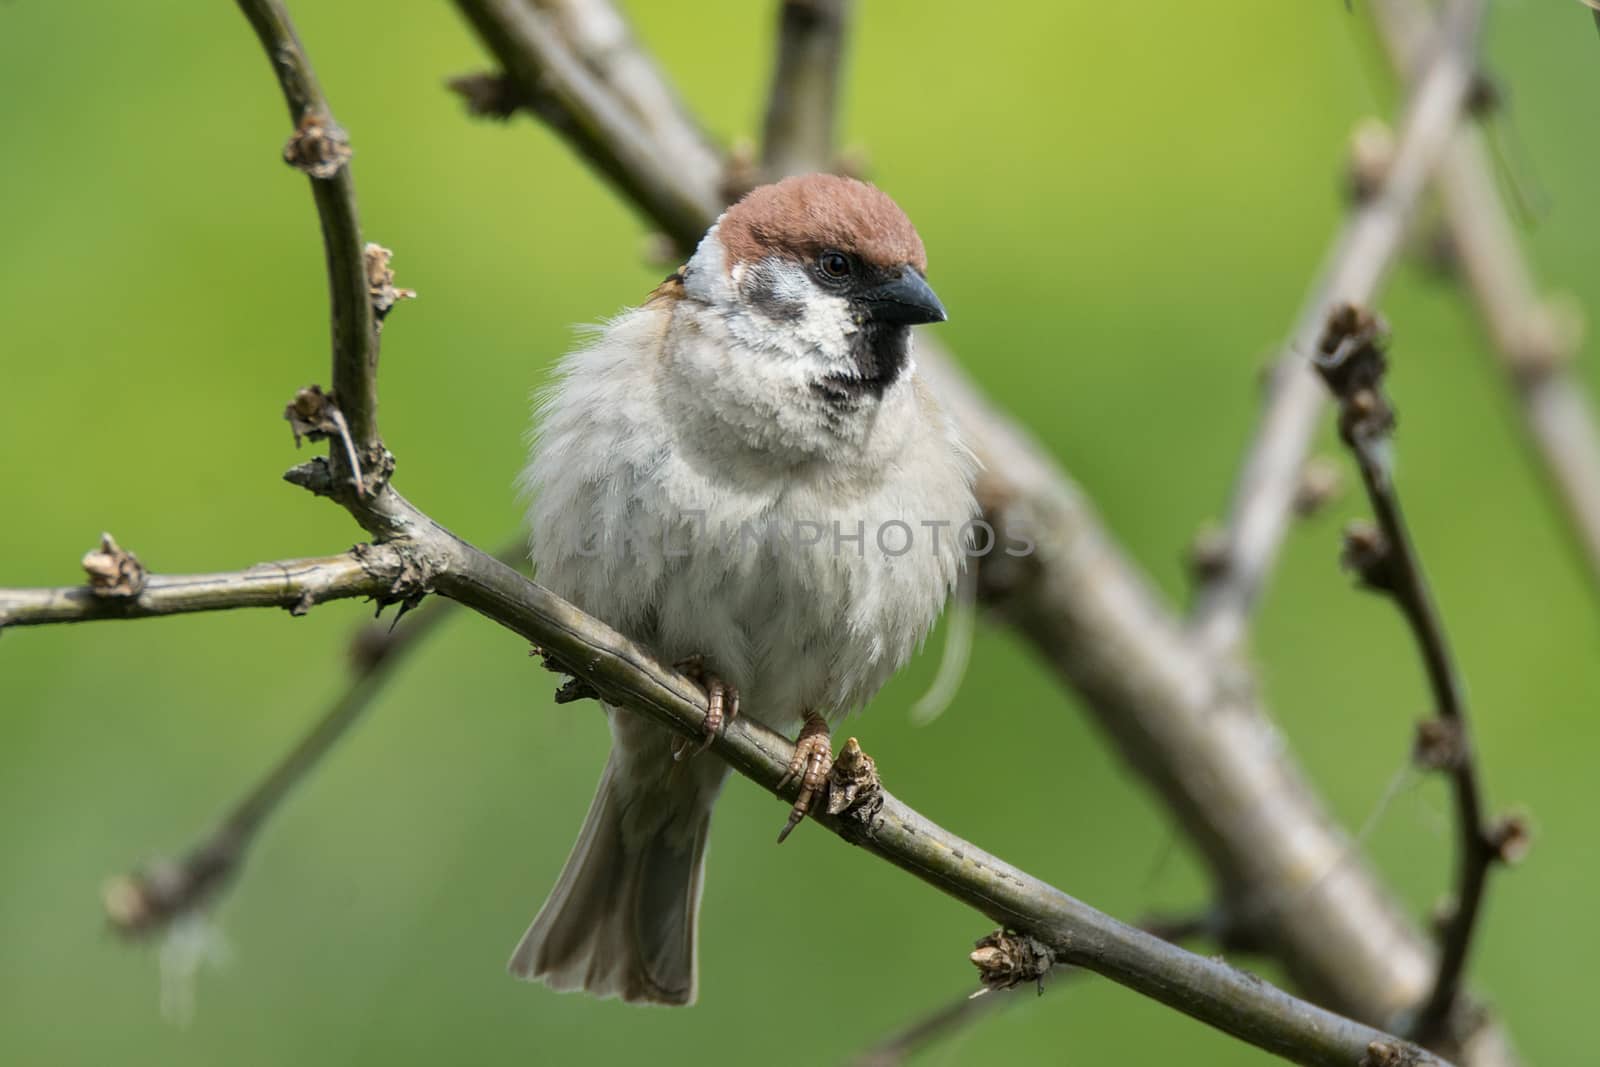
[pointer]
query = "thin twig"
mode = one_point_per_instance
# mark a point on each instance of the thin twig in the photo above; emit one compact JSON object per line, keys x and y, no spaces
{"x":1193,"y":728}
{"x":1351,"y":361}
{"x":295,"y":584}
{"x":626,"y":675}
{"x":321,"y":149}
{"x":1357,"y":264}
{"x":960,"y":1012}
{"x":969,"y":1008}
{"x":529,"y":46}
{"x":1535,"y":342}
{"x":606,"y":45}
{"x":803,"y":103}
{"x":148,"y":900}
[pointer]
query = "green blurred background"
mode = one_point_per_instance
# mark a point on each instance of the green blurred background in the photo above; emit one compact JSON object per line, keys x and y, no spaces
{"x":1123,"y":204}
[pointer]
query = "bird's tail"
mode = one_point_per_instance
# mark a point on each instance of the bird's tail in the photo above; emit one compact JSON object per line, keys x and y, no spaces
{"x":621,"y":920}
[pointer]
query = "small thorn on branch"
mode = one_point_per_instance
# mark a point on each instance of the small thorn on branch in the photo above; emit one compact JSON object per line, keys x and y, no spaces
{"x":1320,"y":484}
{"x":1006,"y":958}
{"x":1371,"y":155}
{"x":1365,"y":553}
{"x":1390,"y":1054}
{"x":1439,"y":745}
{"x":488,"y":95}
{"x":1546,"y":339}
{"x":1511,"y":836}
{"x":409,"y":584}
{"x":1207,"y":557}
{"x":574,"y":688}
{"x":113,"y":571}
{"x":313,"y":415}
{"x":319,"y":147}
{"x":380,"y":280}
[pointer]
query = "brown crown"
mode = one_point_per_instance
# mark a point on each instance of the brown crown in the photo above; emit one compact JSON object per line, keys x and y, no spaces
{"x":799,"y":217}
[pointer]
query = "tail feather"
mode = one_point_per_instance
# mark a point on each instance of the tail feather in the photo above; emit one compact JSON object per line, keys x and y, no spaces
{"x":621,"y":920}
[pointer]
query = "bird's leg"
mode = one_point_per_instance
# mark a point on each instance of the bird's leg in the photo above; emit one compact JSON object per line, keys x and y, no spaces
{"x":811,"y":764}
{"x":722,"y":706}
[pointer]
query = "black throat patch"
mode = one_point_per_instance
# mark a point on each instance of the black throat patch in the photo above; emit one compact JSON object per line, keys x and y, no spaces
{"x":880,"y":352}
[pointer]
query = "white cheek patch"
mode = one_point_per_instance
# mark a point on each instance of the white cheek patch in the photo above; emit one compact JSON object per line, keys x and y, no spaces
{"x":773,"y":305}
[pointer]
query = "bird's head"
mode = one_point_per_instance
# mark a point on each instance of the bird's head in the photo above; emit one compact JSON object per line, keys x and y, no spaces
{"x":823,"y":271}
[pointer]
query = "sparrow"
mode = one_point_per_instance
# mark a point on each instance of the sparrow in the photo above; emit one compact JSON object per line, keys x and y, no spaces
{"x":746,"y":475}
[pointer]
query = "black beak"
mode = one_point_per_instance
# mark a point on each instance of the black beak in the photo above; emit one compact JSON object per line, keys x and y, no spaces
{"x":904,"y":300}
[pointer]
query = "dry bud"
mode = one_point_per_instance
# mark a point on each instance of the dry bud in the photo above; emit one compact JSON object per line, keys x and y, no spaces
{"x":1511,"y":837}
{"x":853,"y":782}
{"x":1366,"y":555}
{"x":113,"y":571}
{"x":1320,"y":482}
{"x":1391,"y":1054}
{"x":492,"y":96}
{"x":311,"y":414}
{"x":1208,"y":553}
{"x":1371,"y":155}
{"x":1439,"y":744}
{"x":319,"y":147}
{"x":380,"y":280}
{"x":1005,"y":959}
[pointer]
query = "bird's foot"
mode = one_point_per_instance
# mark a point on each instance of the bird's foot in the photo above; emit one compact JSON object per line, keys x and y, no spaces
{"x":811,"y":764}
{"x":722,"y":707}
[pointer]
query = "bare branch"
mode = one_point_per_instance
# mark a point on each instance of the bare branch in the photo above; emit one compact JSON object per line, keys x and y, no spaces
{"x":295,"y":584}
{"x":605,"y":43}
{"x":321,"y":149}
{"x":1351,"y":361}
{"x":970,"y":1008}
{"x":146,"y":901}
{"x":625,"y":674}
{"x":802,"y":107}
{"x":1194,"y":730}
{"x":529,"y":47}
{"x":1536,"y":343}
{"x":1357,"y":264}
{"x":959,"y":1012}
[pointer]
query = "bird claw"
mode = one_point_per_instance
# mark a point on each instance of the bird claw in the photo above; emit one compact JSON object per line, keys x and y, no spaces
{"x":722,"y":707}
{"x":810,"y":766}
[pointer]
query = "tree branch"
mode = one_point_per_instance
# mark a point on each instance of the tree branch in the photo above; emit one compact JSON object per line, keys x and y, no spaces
{"x":529,"y":47}
{"x":1350,"y":359}
{"x":606,"y":45}
{"x":625,"y":674}
{"x":146,"y":901}
{"x":1193,"y":728}
{"x":968,"y":1009}
{"x":1357,"y":264}
{"x":1535,"y":343}
{"x":803,"y":104}
{"x":295,"y":584}
{"x":427,"y":556}
{"x":321,"y":149}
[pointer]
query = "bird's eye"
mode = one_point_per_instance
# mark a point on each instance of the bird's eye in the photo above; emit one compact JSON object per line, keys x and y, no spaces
{"x":834,"y":264}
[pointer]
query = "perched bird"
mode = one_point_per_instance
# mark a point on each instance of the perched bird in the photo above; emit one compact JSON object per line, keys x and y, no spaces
{"x":746,"y":475}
